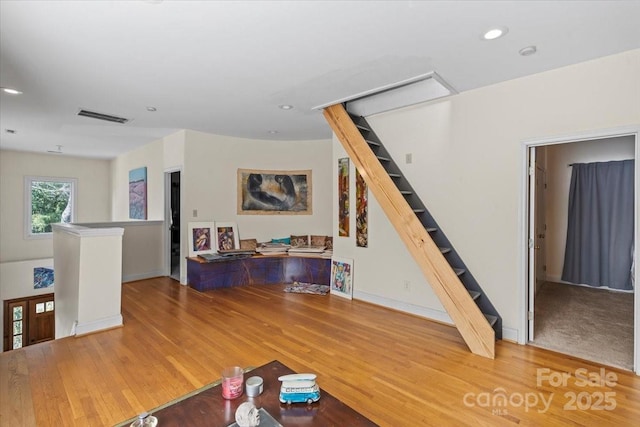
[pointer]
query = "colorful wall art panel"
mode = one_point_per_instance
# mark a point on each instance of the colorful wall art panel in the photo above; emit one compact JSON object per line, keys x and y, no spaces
{"x":362,"y":219}
{"x":138,"y":193}
{"x":343,"y":195}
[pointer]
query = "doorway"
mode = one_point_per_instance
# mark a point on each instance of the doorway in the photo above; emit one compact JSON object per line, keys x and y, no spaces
{"x":28,"y":321}
{"x":546,"y":296}
{"x":172,"y":212}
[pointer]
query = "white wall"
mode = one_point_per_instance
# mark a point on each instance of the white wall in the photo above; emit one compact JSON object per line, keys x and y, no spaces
{"x":382,"y":268}
{"x":161,"y":155}
{"x":209,"y":182}
{"x":558,"y":174}
{"x":67,"y":292}
{"x":150,"y":156}
{"x":16,"y":281}
{"x":173,"y":150}
{"x":93,"y":197}
{"x":100,"y":302}
{"x":209,"y":165}
{"x":467,"y":168}
{"x":88,"y":267}
{"x":142,"y":248}
{"x":19,"y":275}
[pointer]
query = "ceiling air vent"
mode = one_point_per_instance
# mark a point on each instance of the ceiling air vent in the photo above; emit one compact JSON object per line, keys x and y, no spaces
{"x":100,"y":116}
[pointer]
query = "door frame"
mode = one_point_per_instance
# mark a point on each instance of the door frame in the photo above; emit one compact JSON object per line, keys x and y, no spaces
{"x":531,"y":241}
{"x":27,"y":319}
{"x":534,"y":256}
{"x":523,"y":337}
{"x":167,"y":218}
{"x":540,"y":232}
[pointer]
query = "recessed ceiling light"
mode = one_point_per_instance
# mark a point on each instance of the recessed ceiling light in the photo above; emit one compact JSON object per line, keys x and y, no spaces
{"x":527,"y":51}
{"x":11,"y":91}
{"x":152,"y":109}
{"x":285,"y":107}
{"x":495,"y":33}
{"x":273,"y":132}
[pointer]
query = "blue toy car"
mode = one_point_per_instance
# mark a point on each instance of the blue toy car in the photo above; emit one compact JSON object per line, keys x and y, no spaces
{"x":299,"y":388}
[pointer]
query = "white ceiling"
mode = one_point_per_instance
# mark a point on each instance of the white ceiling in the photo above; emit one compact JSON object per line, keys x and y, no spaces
{"x":223,"y":67}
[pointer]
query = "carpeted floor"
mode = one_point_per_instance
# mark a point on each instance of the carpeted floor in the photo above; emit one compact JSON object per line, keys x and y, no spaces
{"x":593,"y":324}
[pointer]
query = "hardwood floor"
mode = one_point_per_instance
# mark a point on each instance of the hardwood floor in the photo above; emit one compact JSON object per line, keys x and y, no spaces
{"x":396,"y":369}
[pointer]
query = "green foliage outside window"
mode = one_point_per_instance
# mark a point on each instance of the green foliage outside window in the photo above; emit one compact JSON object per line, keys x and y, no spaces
{"x":50,"y":204}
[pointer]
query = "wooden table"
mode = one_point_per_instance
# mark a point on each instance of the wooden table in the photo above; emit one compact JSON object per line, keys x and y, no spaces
{"x":208,"y":408}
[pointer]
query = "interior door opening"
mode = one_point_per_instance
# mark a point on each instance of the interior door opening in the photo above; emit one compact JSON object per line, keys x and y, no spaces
{"x":28,"y":321}
{"x":554,"y":318}
{"x":173,"y":214}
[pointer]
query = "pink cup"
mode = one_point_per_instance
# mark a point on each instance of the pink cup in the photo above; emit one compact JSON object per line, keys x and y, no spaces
{"x":232,"y":382}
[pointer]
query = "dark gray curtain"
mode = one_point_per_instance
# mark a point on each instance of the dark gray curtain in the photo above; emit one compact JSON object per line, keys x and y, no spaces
{"x":599,"y":249}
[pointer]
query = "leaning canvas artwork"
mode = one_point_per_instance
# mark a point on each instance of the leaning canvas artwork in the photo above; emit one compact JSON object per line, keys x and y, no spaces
{"x":138,"y":193}
{"x":200,"y":238}
{"x":341,"y":277}
{"x":264,"y":192}
{"x":226,"y":236}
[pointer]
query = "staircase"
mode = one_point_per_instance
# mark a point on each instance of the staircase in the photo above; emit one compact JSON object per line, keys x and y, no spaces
{"x":471,"y":311}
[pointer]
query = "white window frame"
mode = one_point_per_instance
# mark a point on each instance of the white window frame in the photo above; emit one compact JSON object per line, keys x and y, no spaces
{"x":28,"y":183}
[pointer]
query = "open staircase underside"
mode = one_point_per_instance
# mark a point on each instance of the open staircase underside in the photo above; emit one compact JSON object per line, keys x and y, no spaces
{"x":456,"y":288}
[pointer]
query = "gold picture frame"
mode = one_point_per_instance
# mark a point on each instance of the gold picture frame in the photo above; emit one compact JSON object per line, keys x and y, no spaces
{"x":273,"y":192}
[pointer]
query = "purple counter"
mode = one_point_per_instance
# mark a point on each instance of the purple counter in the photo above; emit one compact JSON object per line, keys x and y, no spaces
{"x":257,"y":270}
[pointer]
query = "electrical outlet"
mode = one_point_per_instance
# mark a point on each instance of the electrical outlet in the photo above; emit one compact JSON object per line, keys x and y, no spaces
{"x":407,"y":285}
{"x":195,"y":213}
{"x":408,"y":158}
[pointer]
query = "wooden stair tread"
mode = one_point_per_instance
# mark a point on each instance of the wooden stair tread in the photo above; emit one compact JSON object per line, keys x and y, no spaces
{"x":459,"y":271}
{"x":383,"y":159}
{"x":419,"y":210}
{"x":431,"y":230}
{"x":445,"y":250}
{"x":395,"y":175}
{"x":370,"y":142}
{"x":363,"y":127}
{"x":406,"y":192}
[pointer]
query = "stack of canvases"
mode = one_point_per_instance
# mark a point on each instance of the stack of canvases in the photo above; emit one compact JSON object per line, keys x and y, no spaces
{"x":312,"y":246}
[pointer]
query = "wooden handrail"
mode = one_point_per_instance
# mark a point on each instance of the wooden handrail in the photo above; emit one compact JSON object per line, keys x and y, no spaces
{"x":466,"y":315}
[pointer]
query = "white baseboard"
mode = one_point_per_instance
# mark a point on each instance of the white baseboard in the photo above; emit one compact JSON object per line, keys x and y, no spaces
{"x":554,"y":278}
{"x":98,"y":325}
{"x":508,"y":334}
{"x":557,"y":279}
{"x":429,"y":313}
{"x":142,"y":276}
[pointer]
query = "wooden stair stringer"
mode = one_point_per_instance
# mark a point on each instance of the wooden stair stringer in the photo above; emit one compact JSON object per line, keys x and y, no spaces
{"x":467,"y":317}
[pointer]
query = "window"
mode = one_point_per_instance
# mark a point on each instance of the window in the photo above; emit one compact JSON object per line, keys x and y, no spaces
{"x":48,"y":201}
